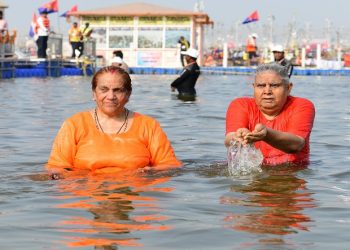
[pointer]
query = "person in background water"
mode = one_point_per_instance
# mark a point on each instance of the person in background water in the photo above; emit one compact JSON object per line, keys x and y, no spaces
{"x":184,"y":45}
{"x":74,"y":40}
{"x":110,"y":138}
{"x":43,"y":31}
{"x":251,"y":49}
{"x":278,"y":55}
{"x":115,"y":59}
{"x":185,"y":83}
{"x":276,"y":122}
{"x":86,"y":32}
{"x":117,"y":62}
{"x":3,"y":24}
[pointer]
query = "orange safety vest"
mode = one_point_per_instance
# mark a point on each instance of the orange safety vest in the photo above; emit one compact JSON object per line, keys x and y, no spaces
{"x":46,"y":22}
{"x":251,"y":45}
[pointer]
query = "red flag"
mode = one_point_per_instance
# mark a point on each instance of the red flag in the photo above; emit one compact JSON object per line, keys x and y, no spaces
{"x":252,"y":18}
{"x":33,"y":26}
{"x":50,"y":7}
{"x":73,"y":9}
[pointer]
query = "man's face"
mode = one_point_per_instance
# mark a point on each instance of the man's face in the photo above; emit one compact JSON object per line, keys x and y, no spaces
{"x":278,"y":55}
{"x":270,"y":92}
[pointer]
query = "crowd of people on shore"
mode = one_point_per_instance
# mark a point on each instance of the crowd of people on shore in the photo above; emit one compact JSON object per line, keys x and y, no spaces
{"x":77,"y":36}
{"x":41,"y":31}
{"x":240,"y":57}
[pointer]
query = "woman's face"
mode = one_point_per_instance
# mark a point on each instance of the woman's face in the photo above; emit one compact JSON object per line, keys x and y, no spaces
{"x":270,"y":92}
{"x":110,"y":95}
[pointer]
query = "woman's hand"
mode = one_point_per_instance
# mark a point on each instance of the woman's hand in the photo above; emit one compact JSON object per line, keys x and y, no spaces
{"x":143,"y":170}
{"x":55,"y":176}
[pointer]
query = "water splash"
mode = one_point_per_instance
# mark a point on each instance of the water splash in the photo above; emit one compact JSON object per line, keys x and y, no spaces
{"x":243,"y":159}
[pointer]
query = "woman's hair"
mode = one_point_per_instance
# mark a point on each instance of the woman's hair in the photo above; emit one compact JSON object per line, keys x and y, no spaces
{"x":279,"y":69}
{"x":114,"y":70}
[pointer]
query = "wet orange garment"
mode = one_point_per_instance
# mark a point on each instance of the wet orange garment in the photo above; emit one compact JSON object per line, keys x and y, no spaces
{"x":80,"y":145}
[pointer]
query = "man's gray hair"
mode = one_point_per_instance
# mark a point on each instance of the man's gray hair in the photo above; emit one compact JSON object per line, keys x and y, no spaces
{"x":279,"y":69}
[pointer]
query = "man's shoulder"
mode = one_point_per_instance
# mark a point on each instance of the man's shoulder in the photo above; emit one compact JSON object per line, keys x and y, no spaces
{"x":299,"y":100}
{"x":286,"y":62}
{"x":192,"y":67}
{"x":244,"y":101}
{"x":300,"y":103}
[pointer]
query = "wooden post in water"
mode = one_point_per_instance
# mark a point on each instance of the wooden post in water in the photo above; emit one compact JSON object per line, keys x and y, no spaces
{"x":303,"y":57}
{"x":225,"y":56}
{"x":318,"y":56}
{"x":339,"y":57}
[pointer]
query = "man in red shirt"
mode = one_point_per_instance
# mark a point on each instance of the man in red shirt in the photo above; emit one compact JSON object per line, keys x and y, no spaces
{"x":276,"y":122}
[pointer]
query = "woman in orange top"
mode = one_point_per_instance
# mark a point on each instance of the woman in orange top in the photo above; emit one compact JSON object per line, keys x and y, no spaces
{"x":110,"y":138}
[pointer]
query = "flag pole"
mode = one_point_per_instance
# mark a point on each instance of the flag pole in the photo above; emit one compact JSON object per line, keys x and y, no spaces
{"x":58,"y":24}
{"x":249,"y":28}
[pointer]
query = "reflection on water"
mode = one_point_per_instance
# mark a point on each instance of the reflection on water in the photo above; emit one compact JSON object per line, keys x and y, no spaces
{"x":110,"y":203}
{"x":278,"y":200}
{"x":197,"y":207}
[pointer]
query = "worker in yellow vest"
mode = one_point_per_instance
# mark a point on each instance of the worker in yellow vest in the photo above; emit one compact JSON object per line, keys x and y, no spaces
{"x":74,"y":39}
{"x":85,"y":36}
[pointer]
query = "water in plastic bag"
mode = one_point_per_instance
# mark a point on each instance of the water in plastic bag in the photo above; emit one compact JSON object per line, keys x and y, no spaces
{"x":243,"y":160}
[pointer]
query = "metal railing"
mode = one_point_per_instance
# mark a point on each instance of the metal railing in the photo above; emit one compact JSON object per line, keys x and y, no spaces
{"x":7,"y":48}
{"x":55,"y":46}
{"x":90,"y":48}
{"x":23,"y":56}
{"x":7,"y":52}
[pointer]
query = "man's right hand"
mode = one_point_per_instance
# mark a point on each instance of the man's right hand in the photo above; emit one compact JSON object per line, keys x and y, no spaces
{"x":239,"y":135}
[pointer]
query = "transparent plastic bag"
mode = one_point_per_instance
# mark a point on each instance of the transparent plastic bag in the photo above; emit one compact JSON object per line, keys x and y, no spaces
{"x":243,"y":160}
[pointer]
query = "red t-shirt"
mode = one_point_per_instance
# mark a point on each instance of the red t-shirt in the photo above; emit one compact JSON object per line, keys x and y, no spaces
{"x":296,"y":117}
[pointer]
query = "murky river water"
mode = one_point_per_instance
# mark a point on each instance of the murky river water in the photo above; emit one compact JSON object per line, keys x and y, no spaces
{"x":196,"y":207}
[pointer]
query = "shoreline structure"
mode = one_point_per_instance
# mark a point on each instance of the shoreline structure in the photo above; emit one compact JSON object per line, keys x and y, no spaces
{"x":148,"y":36}
{"x":13,"y":68}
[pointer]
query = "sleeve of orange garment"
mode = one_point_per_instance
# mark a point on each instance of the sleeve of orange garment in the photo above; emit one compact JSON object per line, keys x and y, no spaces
{"x":63,"y":149}
{"x":162,"y":153}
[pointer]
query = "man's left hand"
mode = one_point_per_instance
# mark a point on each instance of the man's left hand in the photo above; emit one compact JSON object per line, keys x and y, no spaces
{"x":258,"y":134}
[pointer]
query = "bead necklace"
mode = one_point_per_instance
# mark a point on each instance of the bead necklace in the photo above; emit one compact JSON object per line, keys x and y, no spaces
{"x":125,"y":123}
